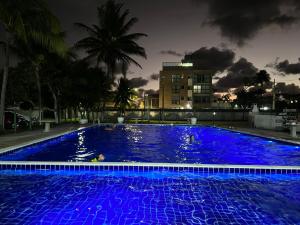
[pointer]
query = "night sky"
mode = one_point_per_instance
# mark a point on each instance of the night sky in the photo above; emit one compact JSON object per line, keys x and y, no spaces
{"x":248,"y":34}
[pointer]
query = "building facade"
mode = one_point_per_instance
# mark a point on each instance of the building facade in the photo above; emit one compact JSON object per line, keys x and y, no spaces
{"x":153,"y":101}
{"x":182,"y":86}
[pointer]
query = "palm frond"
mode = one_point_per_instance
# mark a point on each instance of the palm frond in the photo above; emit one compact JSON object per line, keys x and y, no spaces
{"x":90,"y":30}
{"x":109,"y":40}
{"x":127,"y":26}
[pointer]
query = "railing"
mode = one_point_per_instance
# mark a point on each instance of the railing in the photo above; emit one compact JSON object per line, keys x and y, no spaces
{"x":135,"y":115}
{"x":173,"y":115}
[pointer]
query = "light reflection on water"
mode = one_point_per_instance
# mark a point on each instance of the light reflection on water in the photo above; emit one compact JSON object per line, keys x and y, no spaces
{"x":81,"y":152}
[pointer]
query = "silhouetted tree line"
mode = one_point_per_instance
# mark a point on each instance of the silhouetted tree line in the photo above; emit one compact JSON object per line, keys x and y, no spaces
{"x":49,"y":74}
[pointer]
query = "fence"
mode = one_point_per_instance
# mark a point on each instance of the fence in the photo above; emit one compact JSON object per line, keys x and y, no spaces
{"x":172,"y":115}
{"x":110,"y":115}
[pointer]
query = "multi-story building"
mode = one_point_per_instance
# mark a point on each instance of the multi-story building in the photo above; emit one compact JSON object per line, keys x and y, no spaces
{"x":153,"y":101}
{"x":182,"y":86}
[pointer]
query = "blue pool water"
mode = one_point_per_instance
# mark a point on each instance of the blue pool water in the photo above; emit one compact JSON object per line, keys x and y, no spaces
{"x":147,"y":198}
{"x":151,"y":143}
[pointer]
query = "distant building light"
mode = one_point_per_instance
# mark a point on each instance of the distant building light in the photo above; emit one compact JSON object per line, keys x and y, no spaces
{"x":186,"y":64}
{"x":265,"y":108}
{"x":177,"y":64}
{"x":188,"y":106}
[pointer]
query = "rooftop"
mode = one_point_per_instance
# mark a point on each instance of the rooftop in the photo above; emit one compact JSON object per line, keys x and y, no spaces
{"x":177,"y":64}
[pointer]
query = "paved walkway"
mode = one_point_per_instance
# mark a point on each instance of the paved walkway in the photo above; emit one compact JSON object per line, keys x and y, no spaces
{"x":284,"y":135}
{"x":8,"y":140}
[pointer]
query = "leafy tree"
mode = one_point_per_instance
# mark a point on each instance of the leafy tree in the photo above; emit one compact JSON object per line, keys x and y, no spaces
{"x":253,"y":90}
{"x":54,"y":77}
{"x":21,"y":87}
{"x":262,"y":78}
{"x":242,"y":98}
{"x":110,"y":41}
{"x":26,"y":20}
{"x":124,"y":95}
{"x":86,"y":87}
{"x":247,"y":97}
{"x":36,"y":56}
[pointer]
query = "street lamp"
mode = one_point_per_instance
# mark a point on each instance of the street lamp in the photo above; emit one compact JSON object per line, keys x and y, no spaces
{"x":214,"y":114}
{"x":148,"y":105}
{"x":163,"y":95}
{"x":145,"y":104}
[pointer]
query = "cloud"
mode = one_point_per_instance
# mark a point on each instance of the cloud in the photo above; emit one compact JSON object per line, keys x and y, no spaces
{"x":129,"y":72}
{"x":137,"y":82}
{"x":211,"y":58}
{"x":152,"y":92}
{"x":171,"y":52}
{"x":286,"y":67}
{"x":283,"y":88}
{"x":237,"y":75}
{"x":241,"y":20}
{"x":154,"y":76}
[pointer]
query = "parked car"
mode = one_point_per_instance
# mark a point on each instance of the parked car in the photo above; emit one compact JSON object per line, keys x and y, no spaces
{"x":21,"y":121}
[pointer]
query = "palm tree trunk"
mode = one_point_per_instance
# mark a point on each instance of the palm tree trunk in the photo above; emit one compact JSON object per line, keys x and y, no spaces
{"x":38,"y":83}
{"x":102,"y":111}
{"x":4,"y":81}
{"x":55,"y":103}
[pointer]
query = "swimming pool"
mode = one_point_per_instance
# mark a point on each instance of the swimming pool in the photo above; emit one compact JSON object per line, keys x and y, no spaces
{"x":162,"y":144}
{"x":164,"y":197}
{"x":152,"y":175}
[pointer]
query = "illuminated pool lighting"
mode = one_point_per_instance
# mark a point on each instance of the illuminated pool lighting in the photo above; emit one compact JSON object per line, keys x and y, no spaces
{"x":162,"y":143}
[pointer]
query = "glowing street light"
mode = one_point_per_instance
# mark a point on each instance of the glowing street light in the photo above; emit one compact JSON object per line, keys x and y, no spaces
{"x":214,"y":114}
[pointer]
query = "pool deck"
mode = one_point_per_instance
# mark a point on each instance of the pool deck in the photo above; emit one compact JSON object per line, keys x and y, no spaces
{"x":279,"y":135}
{"x":9,"y":141}
{"x":13,"y":140}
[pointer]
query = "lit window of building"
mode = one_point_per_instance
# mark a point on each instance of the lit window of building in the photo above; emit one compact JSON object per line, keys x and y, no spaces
{"x":176,"y":78}
{"x":202,"y":89}
{"x":197,"y":89}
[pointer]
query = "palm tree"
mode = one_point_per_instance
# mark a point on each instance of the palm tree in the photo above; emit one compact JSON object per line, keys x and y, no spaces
{"x":26,"y":20}
{"x":110,"y":41}
{"x":124,"y":95}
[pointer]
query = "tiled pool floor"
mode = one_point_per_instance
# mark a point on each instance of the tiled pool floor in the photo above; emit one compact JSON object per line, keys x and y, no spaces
{"x":147,"y":198}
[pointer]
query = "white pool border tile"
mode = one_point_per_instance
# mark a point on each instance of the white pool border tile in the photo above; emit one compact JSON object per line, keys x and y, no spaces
{"x":145,"y":167}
